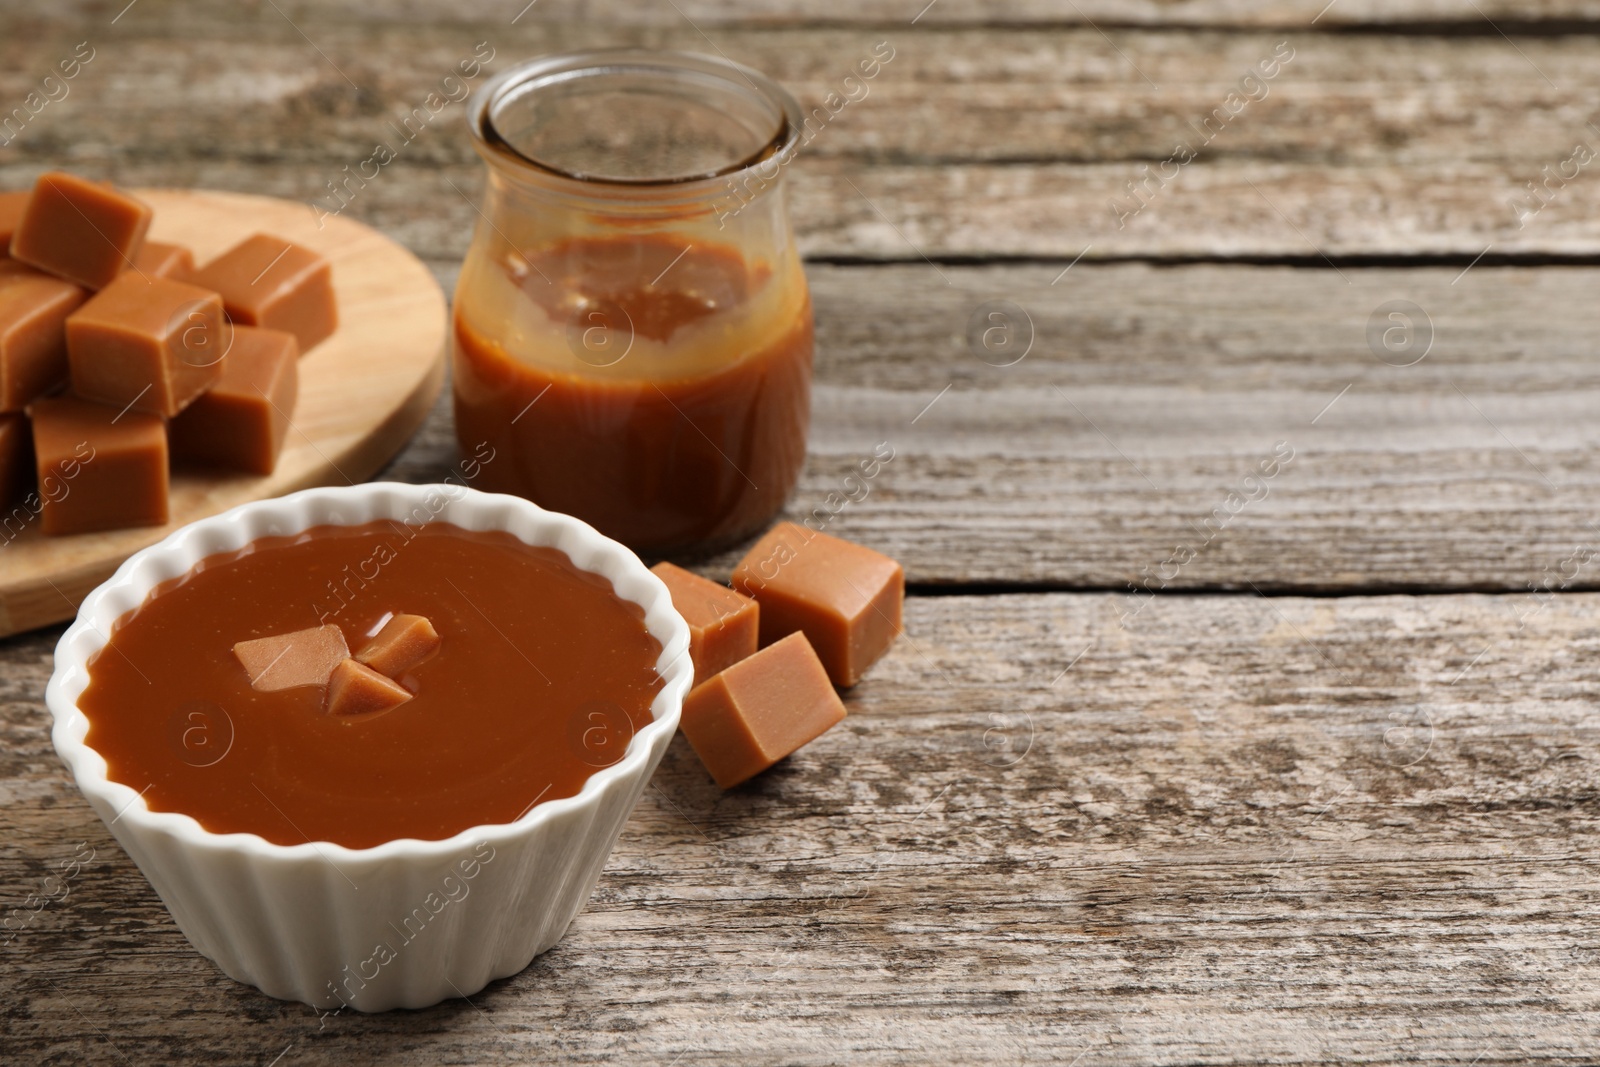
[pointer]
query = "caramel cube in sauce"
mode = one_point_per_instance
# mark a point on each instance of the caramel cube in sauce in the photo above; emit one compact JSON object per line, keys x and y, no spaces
{"x":357,"y":689}
{"x":267,"y":281}
{"x":723,"y":627}
{"x":80,"y":230}
{"x":761,"y":709}
{"x":150,"y":343}
{"x":242,"y":421}
{"x":33,"y":334}
{"x":99,"y":469}
{"x":11,"y":206}
{"x":404,"y":642}
{"x":158,"y":260}
{"x":14,"y":467}
{"x":284,"y":661}
{"x":845,"y":597}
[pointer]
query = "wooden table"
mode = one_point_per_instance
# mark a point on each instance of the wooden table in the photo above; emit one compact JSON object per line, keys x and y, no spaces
{"x":1319,"y":785}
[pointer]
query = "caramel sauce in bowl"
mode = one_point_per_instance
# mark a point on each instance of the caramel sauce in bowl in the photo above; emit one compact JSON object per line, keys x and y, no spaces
{"x":405,"y":922}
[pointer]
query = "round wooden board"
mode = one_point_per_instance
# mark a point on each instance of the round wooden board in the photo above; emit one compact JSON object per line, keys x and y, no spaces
{"x":363,"y":391}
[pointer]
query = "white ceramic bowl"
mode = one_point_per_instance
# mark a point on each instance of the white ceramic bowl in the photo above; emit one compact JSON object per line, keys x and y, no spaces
{"x":306,"y":922}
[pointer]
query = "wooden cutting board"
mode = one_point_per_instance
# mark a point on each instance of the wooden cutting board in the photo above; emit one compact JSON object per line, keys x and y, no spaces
{"x":363,"y":391}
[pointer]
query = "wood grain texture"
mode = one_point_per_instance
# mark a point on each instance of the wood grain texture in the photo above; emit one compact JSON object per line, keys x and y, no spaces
{"x":1051,"y":212}
{"x":363,"y":393}
{"x":1078,"y":828}
{"x":1152,"y":393}
{"x":1472,"y":14}
{"x":1245,"y":830}
{"x":976,"y":144}
{"x":996,"y":94}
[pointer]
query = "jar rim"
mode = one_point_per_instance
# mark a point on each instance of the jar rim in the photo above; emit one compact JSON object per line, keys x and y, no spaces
{"x":550,"y":69}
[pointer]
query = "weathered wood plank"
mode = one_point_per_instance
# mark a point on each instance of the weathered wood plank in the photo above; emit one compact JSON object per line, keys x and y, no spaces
{"x":847,"y":210}
{"x":1153,"y":393}
{"x":1244,"y":831}
{"x":955,"y":13}
{"x":1093,"y":829}
{"x":986,"y":94}
{"x":1225,"y":210}
{"x":977,"y":144}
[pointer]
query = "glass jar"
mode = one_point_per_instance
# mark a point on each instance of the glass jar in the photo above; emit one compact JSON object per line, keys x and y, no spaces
{"x":633,"y":336}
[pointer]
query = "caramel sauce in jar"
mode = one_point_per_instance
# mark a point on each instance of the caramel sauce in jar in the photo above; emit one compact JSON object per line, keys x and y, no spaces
{"x":694,"y":435}
{"x":633,"y":333}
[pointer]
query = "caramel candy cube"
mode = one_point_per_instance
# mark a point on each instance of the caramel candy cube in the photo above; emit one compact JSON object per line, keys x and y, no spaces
{"x":80,"y":230}
{"x":357,"y":689}
{"x":759,"y":710}
{"x":285,"y":661}
{"x":33,"y":334}
{"x":11,"y":205}
{"x":99,"y":469}
{"x":723,"y":627}
{"x":242,"y":421}
{"x":403,"y":643}
{"x":148,"y":343}
{"x":157,"y":260}
{"x":14,"y":466}
{"x":845,"y":597}
{"x":267,"y":281}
